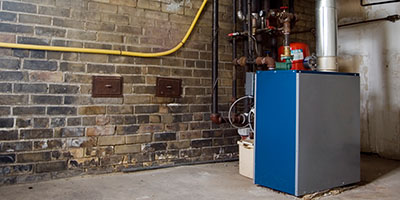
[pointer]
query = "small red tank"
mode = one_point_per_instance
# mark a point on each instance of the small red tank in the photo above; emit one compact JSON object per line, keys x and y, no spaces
{"x":299,"y":51}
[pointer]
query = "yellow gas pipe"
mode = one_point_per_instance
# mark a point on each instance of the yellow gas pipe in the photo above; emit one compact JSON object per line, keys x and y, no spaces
{"x":110,"y":52}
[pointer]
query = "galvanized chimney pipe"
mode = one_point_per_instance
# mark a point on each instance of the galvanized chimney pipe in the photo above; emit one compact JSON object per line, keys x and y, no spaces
{"x":326,"y":30}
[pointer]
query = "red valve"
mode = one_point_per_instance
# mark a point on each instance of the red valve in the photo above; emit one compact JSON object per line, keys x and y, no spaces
{"x":233,"y":34}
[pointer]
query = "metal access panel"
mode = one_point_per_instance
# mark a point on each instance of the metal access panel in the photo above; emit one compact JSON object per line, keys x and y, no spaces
{"x":308,"y":133}
{"x":107,"y":86}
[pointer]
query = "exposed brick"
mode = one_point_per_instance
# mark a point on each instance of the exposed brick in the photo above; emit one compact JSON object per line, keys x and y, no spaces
{"x":78,"y":78}
{"x":34,"y":19}
{"x":111,"y":140}
{"x":102,"y":69}
{"x":36,"y":133}
{"x":5,"y":111}
{"x":76,"y":121}
{"x":20,"y":7}
{"x":72,"y":132}
{"x":72,"y":67}
{"x":102,"y":7}
{"x":119,"y":110}
{"x":231,"y":149}
{"x":7,"y":158}
{"x":151,"y":128}
{"x":158,"y":146}
{"x":68,"y":23}
{"x":89,"y":121}
{"x":6,"y":122}
{"x":23,"y":123}
{"x":30,"y":88}
{"x":54,"y":11}
{"x":46,"y":99}
{"x":34,"y":157}
{"x":133,"y":148}
{"x":45,"y":76}
{"x":63,"y":89}
{"x":5,"y":87}
{"x":40,"y":65}
{"x":201,"y":143}
{"x":61,"y":111}
{"x":47,"y":144}
{"x":179,"y":144}
{"x":137,"y":139}
{"x":38,"y":54}
{"x":100,"y":130}
{"x":212,"y":134}
{"x":100,"y":26}
{"x":164,"y":136}
{"x":57,"y":122}
{"x":41,"y":122}
{"x":29,"y":110}
{"x":128,"y":70}
{"x":190,"y":153}
{"x":51,"y":166}
{"x":50,"y":32}
{"x":127,"y":130}
{"x":81,"y":35}
{"x":32,"y":40}
{"x":146,"y":109}
{"x":6,"y":16}
{"x":92,"y":110}
{"x":12,"y":76}
{"x":15,"y":146}
{"x":9,"y":135}
{"x":12,"y":28}
{"x":9,"y":63}
{"x":152,"y":5}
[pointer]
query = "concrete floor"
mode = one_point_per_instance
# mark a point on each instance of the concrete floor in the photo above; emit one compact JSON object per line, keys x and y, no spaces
{"x":380,"y":180}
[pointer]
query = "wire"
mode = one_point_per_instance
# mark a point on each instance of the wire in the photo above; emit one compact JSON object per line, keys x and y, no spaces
{"x":233,"y":105}
{"x":249,"y":118}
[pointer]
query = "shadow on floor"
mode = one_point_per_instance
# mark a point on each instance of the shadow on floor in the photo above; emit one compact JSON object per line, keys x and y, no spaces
{"x":374,"y":167}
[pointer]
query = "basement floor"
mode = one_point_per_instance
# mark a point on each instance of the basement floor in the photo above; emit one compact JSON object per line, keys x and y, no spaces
{"x":380,"y":180}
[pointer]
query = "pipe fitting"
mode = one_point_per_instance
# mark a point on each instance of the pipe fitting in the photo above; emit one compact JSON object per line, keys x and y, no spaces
{"x":242,"y":61}
{"x":269,"y":61}
{"x":217,"y":118}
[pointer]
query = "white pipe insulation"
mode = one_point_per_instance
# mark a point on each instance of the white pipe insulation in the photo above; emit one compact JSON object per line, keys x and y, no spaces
{"x":326,"y":31}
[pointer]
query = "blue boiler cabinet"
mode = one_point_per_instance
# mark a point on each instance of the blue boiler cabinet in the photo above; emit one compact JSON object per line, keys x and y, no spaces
{"x":307,"y":130}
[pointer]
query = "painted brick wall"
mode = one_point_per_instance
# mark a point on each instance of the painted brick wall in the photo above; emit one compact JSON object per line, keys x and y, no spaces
{"x":51,"y":127}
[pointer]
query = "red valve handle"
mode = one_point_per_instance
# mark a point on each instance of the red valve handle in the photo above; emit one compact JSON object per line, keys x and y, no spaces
{"x":284,"y":7}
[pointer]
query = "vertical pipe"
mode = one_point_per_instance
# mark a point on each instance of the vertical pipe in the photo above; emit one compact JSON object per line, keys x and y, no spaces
{"x":215,"y":58}
{"x":326,"y":31}
{"x":234,"y":53}
{"x":291,"y":6}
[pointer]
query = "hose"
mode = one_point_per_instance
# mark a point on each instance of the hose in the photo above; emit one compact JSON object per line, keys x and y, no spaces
{"x":110,"y":52}
{"x":233,"y":105}
{"x":249,"y":118}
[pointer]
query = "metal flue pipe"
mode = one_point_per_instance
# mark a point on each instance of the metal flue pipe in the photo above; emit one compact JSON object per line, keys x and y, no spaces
{"x":326,"y":32}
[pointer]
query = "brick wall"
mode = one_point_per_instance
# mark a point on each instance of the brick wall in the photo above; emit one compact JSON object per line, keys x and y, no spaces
{"x":305,"y":13}
{"x":51,"y":127}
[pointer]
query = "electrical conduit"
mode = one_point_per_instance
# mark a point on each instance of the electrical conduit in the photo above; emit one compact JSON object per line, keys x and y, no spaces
{"x":110,"y":52}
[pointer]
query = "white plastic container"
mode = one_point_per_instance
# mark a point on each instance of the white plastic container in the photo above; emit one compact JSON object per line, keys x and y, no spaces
{"x":246,"y":158}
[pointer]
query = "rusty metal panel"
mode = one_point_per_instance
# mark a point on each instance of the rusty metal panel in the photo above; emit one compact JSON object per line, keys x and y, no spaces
{"x":168,"y":87}
{"x":107,"y":86}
